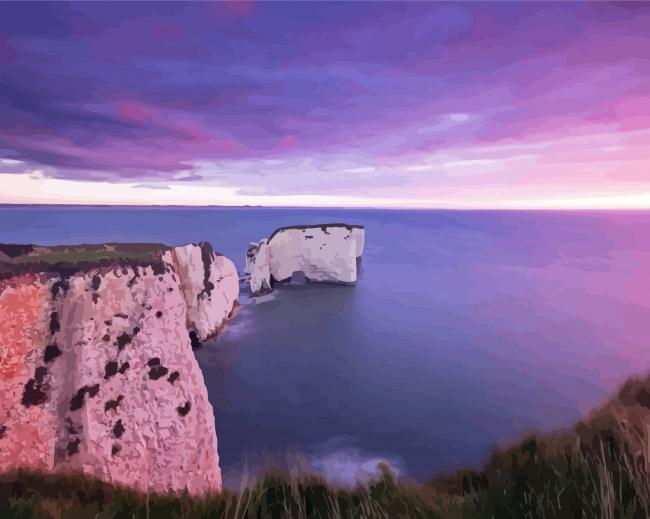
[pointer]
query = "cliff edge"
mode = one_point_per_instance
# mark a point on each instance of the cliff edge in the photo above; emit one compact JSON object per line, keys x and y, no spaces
{"x":97,"y":373}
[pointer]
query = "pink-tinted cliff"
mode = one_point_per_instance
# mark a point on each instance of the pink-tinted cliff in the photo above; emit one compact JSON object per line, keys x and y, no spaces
{"x":97,"y":372}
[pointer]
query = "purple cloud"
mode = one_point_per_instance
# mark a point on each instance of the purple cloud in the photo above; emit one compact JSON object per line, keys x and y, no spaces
{"x":176,"y":92}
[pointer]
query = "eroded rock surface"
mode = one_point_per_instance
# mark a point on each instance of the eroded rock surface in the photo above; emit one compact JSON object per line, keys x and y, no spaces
{"x":97,"y":373}
{"x":211,"y":292}
{"x":257,"y":267}
{"x":325,"y":253}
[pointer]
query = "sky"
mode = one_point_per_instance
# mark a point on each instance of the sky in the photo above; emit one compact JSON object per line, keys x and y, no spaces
{"x":368,"y":104}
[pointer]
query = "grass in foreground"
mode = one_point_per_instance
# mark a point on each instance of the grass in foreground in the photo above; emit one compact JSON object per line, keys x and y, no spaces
{"x":599,"y":469}
{"x":276,"y":496}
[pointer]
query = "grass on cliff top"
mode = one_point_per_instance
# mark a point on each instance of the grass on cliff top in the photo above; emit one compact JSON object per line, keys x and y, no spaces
{"x":598,"y":469}
{"x":79,"y":256}
{"x":17,"y":254}
{"x":65,"y":259}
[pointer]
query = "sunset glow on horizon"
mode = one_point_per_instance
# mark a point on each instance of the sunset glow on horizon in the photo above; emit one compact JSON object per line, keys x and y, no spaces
{"x":413,"y":105}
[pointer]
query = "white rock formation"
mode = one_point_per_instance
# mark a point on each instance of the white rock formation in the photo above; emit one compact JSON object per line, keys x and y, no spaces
{"x":210,"y":292}
{"x":257,"y":267}
{"x":359,"y":235}
{"x":326,"y":253}
{"x":97,"y":373}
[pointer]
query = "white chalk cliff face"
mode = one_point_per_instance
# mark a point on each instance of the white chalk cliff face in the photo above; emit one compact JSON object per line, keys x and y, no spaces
{"x":210,"y":292}
{"x":326,"y":253}
{"x":257,"y":267}
{"x":97,"y":373}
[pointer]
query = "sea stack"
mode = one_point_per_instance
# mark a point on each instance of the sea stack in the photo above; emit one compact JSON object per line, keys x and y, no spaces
{"x":97,"y":372}
{"x":322,"y":253}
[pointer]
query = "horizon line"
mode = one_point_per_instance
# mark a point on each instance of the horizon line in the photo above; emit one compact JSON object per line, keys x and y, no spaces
{"x":379,"y":208}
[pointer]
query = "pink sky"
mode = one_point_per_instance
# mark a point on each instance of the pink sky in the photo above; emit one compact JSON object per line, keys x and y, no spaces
{"x":348,"y":104}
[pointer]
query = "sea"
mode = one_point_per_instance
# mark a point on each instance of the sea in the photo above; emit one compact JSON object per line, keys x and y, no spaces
{"x":466,"y":331}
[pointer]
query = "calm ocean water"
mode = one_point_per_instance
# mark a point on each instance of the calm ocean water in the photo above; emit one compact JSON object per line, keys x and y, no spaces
{"x":465,"y":330}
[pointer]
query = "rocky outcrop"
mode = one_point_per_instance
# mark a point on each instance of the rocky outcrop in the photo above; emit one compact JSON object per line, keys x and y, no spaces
{"x":257,"y":267}
{"x":323,"y":253}
{"x":97,"y":373}
{"x":210,"y":292}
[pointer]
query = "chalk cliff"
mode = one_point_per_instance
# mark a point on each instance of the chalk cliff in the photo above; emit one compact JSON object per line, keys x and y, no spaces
{"x":258,"y":268}
{"x":97,"y":373}
{"x":326,"y":253}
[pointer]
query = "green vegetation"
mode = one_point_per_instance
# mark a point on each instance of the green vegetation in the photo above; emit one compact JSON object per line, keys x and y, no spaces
{"x":67,"y":259}
{"x":599,"y":469}
{"x":82,"y":256}
{"x":277,"y":496}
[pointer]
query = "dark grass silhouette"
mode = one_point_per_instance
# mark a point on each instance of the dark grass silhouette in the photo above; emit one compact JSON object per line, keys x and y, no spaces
{"x":598,"y":469}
